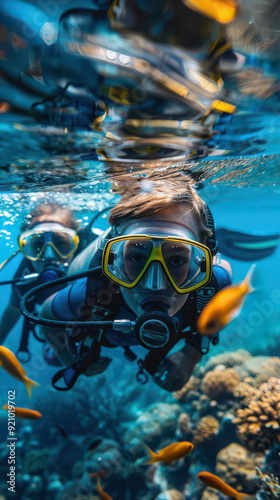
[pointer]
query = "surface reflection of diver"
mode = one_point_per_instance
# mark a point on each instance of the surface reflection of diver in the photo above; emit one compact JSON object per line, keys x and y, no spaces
{"x":147,"y":280}
{"x":48,"y":242}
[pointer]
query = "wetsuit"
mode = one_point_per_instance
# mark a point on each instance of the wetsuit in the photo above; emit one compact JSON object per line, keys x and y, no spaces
{"x":18,"y":290}
{"x":96,"y":298}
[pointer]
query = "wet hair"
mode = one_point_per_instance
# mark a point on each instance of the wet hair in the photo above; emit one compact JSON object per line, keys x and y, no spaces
{"x":151,"y":195}
{"x":52,"y":212}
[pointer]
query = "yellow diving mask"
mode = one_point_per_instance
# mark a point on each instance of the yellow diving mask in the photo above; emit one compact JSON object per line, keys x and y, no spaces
{"x":187,"y":263}
{"x":63,"y":241}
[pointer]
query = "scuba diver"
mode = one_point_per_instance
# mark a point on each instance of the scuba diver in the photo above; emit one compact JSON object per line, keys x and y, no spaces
{"x":48,"y":242}
{"x":151,"y":273}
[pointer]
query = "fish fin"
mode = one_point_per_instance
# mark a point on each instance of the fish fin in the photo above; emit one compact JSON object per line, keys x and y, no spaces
{"x":246,"y":246}
{"x":152,"y":457}
{"x":243,"y":496}
{"x":29,"y":384}
{"x":5,"y":407}
{"x":98,"y":485}
{"x":248,"y":278}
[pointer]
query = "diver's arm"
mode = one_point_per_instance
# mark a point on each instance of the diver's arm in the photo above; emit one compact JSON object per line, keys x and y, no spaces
{"x":56,"y":337}
{"x":174,"y":372}
{"x":9,"y":318}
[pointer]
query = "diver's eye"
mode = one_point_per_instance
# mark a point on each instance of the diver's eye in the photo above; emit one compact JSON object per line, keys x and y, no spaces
{"x":137,"y":258}
{"x":176,"y":261}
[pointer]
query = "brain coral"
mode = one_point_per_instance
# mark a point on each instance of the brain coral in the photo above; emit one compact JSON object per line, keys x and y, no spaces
{"x":259,"y":423}
{"x":206,"y":430}
{"x":236,"y":467}
{"x":219,"y":384}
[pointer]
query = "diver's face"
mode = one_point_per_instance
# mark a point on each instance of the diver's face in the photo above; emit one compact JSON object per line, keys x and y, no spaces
{"x":49,"y":256}
{"x":154,"y":286}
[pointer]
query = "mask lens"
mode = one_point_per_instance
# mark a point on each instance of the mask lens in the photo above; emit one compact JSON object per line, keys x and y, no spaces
{"x":63,"y":243}
{"x":185,"y":262}
{"x":127,"y":259}
{"x":33,"y":244}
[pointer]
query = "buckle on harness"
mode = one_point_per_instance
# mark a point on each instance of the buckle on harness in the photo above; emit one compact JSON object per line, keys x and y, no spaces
{"x":141,"y":376}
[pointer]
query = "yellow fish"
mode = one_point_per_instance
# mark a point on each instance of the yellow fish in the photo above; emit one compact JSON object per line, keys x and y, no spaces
{"x":168,"y":454}
{"x":10,"y":363}
{"x":218,"y":484}
{"x":24,"y":412}
{"x":222,"y":11}
{"x":102,"y":494}
{"x":224,"y":306}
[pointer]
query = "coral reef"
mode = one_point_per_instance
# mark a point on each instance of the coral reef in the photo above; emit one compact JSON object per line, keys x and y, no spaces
{"x":207,"y":430}
{"x":35,"y":461}
{"x":245,"y":392}
{"x":236,"y":467}
{"x":270,"y":486}
{"x":228,"y":359}
{"x":157,"y":423}
{"x":192,"y":385}
{"x":270,"y":368}
{"x":259,"y":423}
{"x":210,"y":494}
{"x":170,"y":495}
{"x":184,"y":426}
{"x":218,"y":384}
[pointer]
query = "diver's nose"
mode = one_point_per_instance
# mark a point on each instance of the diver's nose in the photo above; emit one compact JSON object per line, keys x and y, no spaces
{"x":49,"y":253}
{"x":155,"y":278}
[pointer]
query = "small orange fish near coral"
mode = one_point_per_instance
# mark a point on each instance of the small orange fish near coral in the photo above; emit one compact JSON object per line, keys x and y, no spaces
{"x":24,"y":413}
{"x":224,"y":306}
{"x":218,"y":484}
{"x":223,"y":11}
{"x":100,"y":473}
{"x":11,"y":364}
{"x":168,"y":454}
{"x":102,"y":494}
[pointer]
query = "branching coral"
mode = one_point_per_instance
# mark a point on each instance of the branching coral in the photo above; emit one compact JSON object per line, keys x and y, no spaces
{"x":245,"y":393}
{"x":206,"y":430}
{"x":270,"y":486}
{"x":219,"y":384}
{"x":259,"y":423}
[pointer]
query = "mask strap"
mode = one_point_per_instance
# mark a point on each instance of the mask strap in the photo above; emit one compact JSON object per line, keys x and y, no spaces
{"x":8,"y":259}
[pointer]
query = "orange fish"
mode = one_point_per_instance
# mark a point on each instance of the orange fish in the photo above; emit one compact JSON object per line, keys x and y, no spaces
{"x":218,"y":484}
{"x":102,"y":494}
{"x":224,"y":306}
{"x":100,"y":473}
{"x":222,"y":11}
{"x":168,"y":454}
{"x":10,"y":363}
{"x":24,"y":413}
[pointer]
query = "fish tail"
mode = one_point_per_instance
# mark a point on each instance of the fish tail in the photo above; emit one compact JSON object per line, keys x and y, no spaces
{"x":152,"y":457}
{"x":247,"y":280}
{"x":98,"y":485}
{"x":29,"y":384}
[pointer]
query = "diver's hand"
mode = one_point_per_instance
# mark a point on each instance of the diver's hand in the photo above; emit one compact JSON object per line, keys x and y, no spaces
{"x":174,"y":372}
